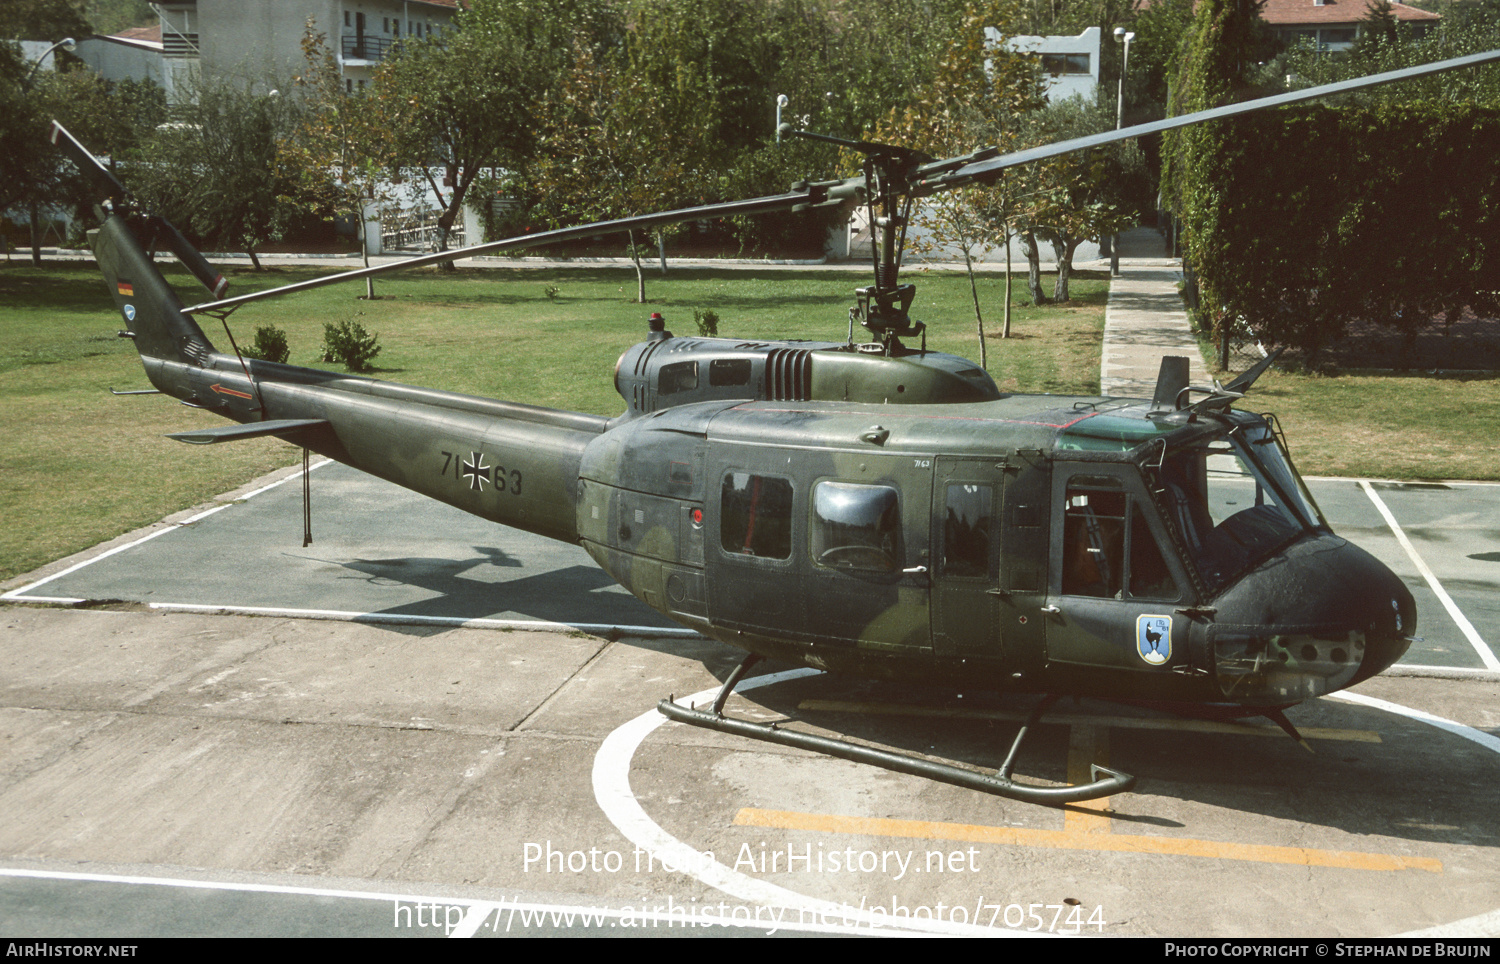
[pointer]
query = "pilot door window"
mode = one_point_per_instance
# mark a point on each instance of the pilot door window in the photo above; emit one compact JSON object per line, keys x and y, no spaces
{"x":856,"y":527}
{"x":1102,"y":555}
{"x":966,"y":531}
{"x":755,"y":516}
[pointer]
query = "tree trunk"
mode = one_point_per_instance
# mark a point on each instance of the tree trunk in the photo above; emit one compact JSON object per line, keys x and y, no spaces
{"x":254,"y":259}
{"x":445,"y":222}
{"x":1005,"y":330}
{"x":1033,"y":266}
{"x":1064,"y":246}
{"x":978,"y":318}
{"x":364,"y":253}
{"x":36,"y":237}
{"x":661,"y":251}
{"x":640,"y":276}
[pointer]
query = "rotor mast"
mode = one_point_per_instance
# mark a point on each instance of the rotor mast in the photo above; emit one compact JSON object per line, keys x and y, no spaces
{"x":889,"y":172}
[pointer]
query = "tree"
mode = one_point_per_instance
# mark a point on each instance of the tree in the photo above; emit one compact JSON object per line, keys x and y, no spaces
{"x":465,"y":102}
{"x":604,"y":155}
{"x":49,"y":20}
{"x":341,"y":155}
{"x":107,"y":117}
{"x":215,"y":171}
{"x":977,"y":94}
{"x":1081,"y":196}
{"x":1212,"y":70}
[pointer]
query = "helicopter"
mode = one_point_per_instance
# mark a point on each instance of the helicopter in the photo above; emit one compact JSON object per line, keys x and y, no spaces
{"x":870,"y":507}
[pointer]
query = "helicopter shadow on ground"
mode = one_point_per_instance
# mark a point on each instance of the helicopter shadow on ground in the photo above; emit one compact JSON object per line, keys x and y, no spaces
{"x":1417,"y":784}
{"x":460,"y":589}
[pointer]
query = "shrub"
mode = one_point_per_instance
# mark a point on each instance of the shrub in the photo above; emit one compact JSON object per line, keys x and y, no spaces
{"x":269,"y":345}
{"x":349,"y":343}
{"x":552,"y":292}
{"x":707,"y":321}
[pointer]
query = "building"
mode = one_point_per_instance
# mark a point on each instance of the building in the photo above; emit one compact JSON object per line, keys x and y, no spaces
{"x":1070,"y":63}
{"x":1334,"y":25}
{"x":134,"y":54}
{"x":261,"y":39}
{"x":259,"y":42}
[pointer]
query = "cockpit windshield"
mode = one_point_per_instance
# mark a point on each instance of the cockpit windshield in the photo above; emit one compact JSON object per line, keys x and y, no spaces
{"x":1235,"y":500}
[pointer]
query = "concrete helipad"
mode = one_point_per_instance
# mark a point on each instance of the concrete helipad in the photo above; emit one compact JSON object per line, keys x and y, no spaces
{"x":403,"y":768}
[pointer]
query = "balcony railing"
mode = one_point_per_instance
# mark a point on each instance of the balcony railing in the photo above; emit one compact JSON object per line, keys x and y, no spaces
{"x":366,"y":47}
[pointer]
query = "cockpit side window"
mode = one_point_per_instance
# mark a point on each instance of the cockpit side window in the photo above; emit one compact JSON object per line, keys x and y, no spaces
{"x":1102,"y":555}
{"x":856,"y":527}
{"x":755,"y":515}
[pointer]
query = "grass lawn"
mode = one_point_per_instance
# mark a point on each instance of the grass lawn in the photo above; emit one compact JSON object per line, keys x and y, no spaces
{"x":1387,"y":425}
{"x":81,"y":466}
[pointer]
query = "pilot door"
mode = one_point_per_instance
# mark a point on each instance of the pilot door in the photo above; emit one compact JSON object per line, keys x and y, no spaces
{"x":989,"y":561}
{"x":1115,"y":591}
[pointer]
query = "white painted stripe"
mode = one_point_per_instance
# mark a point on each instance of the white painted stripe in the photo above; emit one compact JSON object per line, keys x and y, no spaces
{"x":1420,"y":484}
{"x":398,"y":619}
{"x":15,"y":594}
{"x":1490,"y":743}
{"x":479,"y":909}
{"x":1486,"y":655}
{"x":295,"y":475}
{"x":615,"y":798}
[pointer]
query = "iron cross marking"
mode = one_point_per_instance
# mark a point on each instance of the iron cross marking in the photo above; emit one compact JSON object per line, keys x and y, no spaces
{"x":476,"y":471}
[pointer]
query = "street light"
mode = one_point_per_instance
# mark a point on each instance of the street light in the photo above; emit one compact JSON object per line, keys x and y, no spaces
{"x":66,"y":43}
{"x":1121,"y":34}
{"x":1127,"y":37}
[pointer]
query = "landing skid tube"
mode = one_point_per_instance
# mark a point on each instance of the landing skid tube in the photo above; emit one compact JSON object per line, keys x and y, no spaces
{"x":1105,"y":781}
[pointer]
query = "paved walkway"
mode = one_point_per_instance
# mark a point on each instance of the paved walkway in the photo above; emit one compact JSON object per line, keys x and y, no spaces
{"x":1145,"y":319}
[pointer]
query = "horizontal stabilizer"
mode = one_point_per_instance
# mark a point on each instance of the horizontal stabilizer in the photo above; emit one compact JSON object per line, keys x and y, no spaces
{"x":235,"y":433}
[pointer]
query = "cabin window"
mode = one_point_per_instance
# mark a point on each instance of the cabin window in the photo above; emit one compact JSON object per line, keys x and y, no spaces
{"x":856,"y":527}
{"x":966,"y":531}
{"x":1103,"y":557}
{"x":755,"y":515}
{"x":678,"y":377}
{"x":729,"y":372}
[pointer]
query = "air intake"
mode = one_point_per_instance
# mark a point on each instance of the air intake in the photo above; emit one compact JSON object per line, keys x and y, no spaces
{"x":789,"y":375}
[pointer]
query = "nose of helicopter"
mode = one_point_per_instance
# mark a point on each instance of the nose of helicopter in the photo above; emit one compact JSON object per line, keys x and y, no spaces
{"x":1321,"y":616}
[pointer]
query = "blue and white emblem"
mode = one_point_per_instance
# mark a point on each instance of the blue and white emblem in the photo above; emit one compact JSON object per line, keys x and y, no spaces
{"x":130,"y":312}
{"x":1153,"y":638}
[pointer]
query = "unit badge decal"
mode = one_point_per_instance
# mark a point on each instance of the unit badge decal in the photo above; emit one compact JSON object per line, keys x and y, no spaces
{"x":130,"y":312}
{"x":1153,"y":638}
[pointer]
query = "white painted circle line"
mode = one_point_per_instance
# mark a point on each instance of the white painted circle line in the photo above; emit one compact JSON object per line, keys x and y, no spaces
{"x":612,"y":791}
{"x":1486,"y":655}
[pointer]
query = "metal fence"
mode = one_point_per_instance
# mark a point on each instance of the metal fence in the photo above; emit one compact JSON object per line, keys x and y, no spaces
{"x":416,"y":230}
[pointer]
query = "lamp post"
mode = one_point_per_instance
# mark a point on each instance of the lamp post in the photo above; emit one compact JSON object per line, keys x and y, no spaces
{"x":66,"y":43}
{"x":1121,"y":34}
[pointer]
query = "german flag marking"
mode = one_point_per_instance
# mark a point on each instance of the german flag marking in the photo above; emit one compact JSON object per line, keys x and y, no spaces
{"x":125,"y":288}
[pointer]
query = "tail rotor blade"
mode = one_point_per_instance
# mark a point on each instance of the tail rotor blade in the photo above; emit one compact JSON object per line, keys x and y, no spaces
{"x":191,"y":258}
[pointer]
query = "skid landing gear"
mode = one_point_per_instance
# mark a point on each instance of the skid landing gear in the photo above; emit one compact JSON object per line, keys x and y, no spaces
{"x":1105,"y":782}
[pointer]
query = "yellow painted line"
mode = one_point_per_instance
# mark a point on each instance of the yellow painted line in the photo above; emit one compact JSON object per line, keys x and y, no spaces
{"x":1087,"y":745}
{"x":1066,"y":840}
{"x":1124,"y":722}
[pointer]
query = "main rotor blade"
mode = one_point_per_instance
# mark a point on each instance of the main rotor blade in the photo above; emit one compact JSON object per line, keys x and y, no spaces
{"x":982,"y":169}
{"x":760,"y":205}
